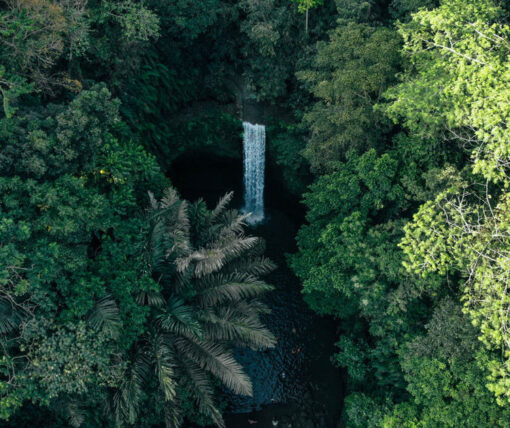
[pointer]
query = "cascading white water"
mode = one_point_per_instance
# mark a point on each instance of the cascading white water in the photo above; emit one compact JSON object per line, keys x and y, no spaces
{"x":254,"y":146}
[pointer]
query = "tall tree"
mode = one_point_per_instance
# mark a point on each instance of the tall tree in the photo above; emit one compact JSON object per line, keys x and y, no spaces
{"x":207,"y":270}
{"x":305,"y":5}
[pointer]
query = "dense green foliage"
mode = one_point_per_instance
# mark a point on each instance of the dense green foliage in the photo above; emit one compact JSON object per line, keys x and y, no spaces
{"x":411,"y":230}
{"x":81,"y":295}
{"x":110,"y":315}
{"x":389,"y":118}
{"x":350,"y":73}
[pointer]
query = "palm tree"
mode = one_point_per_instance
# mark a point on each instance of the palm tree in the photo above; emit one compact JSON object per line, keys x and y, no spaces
{"x":208,"y":271}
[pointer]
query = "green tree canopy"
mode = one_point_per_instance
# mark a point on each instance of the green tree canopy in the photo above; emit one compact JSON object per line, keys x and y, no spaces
{"x":348,"y":77}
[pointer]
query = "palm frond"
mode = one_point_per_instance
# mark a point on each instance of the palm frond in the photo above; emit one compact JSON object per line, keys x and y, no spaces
{"x":164,"y":364}
{"x":256,"y":266}
{"x":214,"y":279}
{"x":125,"y":400}
{"x":182,"y":221}
{"x":231,"y":291}
{"x":206,"y":261}
{"x":10,"y":316}
{"x":150,"y":298}
{"x":158,"y":247}
{"x":221,"y":205}
{"x":218,"y":361}
{"x":170,"y":198}
{"x":180,"y":319}
{"x":197,"y":381}
{"x":232,"y":224}
{"x":167,"y":241}
{"x":255,"y":307}
{"x":172,"y":414}
{"x":182,"y":283}
{"x":170,"y":230}
{"x":209,"y":260}
{"x":105,"y":316}
{"x":235,"y":247}
{"x":242,"y":329}
{"x":153,"y":202}
{"x":75,"y":413}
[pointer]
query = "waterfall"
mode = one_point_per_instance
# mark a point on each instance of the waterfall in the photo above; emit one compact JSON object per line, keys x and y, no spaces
{"x":254,"y":146}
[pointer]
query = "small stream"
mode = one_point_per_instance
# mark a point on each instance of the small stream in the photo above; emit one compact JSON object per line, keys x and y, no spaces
{"x":295,"y":383}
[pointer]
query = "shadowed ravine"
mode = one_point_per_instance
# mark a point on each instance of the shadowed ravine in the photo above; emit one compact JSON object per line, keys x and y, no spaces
{"x":295,"y":382}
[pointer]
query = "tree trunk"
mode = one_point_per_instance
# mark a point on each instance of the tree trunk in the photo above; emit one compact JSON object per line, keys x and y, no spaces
{"x":306,"y":21}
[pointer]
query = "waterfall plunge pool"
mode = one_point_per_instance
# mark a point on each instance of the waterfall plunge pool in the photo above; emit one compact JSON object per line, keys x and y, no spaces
{"x":295,"y":382}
